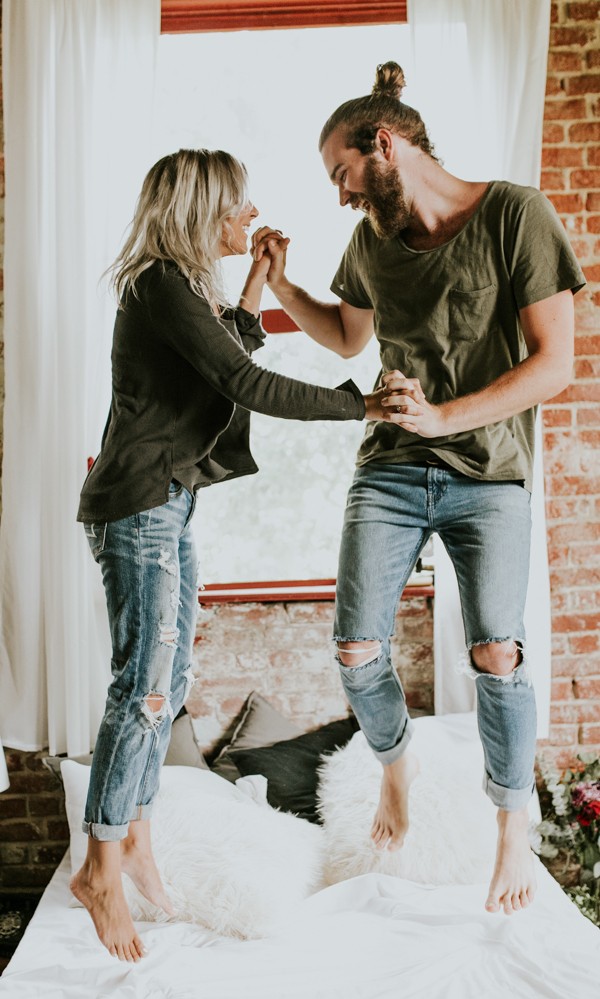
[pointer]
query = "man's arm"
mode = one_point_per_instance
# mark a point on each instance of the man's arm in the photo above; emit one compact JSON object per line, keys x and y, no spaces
{"x":338,"y":326}
{"x":548,"y":328}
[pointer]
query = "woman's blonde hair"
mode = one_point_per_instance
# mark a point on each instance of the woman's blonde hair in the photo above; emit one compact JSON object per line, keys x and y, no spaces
{"x":181,"y":215}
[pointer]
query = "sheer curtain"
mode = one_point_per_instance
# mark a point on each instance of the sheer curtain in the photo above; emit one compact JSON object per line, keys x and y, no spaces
{"x":499,"y":96}
{"x":78,"y":79}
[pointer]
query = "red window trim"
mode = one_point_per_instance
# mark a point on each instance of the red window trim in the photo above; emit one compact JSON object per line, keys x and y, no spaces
{"x":237,"y":15}
{"x":286,"y":591}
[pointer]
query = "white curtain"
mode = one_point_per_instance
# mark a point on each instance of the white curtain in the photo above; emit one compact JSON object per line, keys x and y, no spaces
{"x":78,"y":80}
{"x":498,"y":95}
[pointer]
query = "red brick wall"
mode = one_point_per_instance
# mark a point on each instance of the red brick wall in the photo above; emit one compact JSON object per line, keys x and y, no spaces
{"x":33,"y":827}
{"x":571,"y":179}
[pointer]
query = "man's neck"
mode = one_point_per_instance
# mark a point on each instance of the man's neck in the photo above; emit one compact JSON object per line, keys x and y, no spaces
{"x":441,"y":206}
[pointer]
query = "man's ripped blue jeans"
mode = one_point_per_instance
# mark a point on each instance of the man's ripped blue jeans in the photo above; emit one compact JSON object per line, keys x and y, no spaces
{"x":392,"y":511}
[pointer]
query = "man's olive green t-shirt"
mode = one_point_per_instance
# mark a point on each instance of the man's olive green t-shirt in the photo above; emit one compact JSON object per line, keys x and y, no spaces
{"x":450,"y":317}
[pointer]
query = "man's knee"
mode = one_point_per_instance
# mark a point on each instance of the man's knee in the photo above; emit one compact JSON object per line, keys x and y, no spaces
{"x":358,"y":653}
{"x":497,"y":658}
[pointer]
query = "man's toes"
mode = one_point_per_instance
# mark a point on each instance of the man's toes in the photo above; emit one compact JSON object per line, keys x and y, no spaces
{"x":516,"y":901}
{"x":507,"y":905}
{"x":138,"y":947}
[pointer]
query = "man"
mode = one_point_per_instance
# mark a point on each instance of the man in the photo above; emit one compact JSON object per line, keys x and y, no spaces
{"x":469,"y":289}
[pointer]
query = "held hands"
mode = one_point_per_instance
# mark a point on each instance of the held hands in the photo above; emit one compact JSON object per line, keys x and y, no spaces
{"x":401,"y":400}
{"x":268,"y":250}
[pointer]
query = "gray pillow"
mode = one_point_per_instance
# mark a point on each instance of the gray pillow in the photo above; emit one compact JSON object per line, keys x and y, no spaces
{"x":260,"y":725}
{"x":183,"y":749}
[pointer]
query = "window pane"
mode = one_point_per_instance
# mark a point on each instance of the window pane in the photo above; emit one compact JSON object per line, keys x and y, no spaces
{"x":264,"y":96}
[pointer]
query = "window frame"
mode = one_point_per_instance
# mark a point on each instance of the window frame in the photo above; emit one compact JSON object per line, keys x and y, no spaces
{"x":186,"y":16}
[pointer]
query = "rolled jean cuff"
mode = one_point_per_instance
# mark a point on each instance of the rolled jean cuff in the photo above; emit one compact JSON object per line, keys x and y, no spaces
{"x":387,"y":756}
{"x":108,"y":834}
{"x":102,"y":831}
{"x":507,"y":798}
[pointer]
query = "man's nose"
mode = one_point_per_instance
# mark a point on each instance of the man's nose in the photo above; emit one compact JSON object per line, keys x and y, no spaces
{"x":344,"y":196}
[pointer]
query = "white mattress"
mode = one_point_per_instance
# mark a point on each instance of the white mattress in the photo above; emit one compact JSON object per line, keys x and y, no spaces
{"x":373,"y":937}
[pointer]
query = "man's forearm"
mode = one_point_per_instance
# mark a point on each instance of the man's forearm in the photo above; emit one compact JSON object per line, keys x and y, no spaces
{"x":536,"y":379}
{"x":320,"y":320}
{"x":533,"y":381}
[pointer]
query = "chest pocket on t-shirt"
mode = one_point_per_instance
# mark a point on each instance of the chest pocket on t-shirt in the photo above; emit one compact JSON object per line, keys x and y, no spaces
{"x":472,"y":312}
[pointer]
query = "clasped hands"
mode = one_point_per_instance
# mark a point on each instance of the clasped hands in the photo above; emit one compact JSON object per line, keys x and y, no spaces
{"x":401,"y":400}
{"x":268,"y":247}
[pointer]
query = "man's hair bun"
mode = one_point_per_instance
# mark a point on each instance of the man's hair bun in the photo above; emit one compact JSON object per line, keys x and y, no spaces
{"x":389,"y":81}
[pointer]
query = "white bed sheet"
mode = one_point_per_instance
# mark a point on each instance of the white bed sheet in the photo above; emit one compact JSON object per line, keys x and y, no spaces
{"x":372,"y":937}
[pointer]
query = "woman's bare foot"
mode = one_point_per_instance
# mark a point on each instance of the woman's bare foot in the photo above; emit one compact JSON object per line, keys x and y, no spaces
{"x":97,"y":885}
{"x":137,"y":861}
{"x":513,"y":881}
{"x":390,"y":824}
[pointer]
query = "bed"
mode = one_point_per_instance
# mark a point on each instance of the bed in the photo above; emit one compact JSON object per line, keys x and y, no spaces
{"x":372,"y":935}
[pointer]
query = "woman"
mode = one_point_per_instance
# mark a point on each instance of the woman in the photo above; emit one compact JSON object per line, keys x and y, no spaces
{"x":183,"y":382}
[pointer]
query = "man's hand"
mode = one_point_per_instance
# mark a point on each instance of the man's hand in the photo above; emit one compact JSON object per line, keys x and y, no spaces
{"x":404,"y":399}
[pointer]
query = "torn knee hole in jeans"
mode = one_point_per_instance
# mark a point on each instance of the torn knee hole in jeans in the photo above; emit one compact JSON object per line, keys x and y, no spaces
{"x":519,"y":673}
{"x":155,"y":708}
{"x":362,"y":655}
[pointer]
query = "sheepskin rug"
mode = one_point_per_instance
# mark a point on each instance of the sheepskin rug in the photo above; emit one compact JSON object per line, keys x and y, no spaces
{"x":229,"y":861}
{"x":452,"y":834}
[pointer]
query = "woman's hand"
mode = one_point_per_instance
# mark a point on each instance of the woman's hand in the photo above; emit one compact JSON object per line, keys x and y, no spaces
{"x":269,"y":247}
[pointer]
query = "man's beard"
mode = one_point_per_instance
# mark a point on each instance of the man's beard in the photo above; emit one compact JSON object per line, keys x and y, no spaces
{"x":387,"y":211}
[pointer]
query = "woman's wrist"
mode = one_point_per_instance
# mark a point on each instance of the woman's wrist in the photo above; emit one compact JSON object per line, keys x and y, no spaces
{"x":252,"y":293}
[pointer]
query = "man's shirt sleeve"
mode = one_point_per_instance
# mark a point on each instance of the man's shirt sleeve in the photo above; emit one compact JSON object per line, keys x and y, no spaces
{"x":542,"y":262}
{"x":350,"y":281}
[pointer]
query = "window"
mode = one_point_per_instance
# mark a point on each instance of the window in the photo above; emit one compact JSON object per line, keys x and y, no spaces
{"x":263,"y":95}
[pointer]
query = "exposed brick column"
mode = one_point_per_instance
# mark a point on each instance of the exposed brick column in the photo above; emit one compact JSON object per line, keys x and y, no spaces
{"x":571,"y":179}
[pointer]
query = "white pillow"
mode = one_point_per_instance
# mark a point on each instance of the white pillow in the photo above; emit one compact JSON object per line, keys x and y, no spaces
{"x":227,"y":861}
{"x":452,"y":834}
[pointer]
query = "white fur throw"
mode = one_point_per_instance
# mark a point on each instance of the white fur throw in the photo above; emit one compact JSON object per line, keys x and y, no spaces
{"x":452,"y":834}
{"x":228,"y":861}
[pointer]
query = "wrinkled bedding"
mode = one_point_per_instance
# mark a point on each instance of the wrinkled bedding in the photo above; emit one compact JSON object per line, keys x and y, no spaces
{"x":371,"y":937}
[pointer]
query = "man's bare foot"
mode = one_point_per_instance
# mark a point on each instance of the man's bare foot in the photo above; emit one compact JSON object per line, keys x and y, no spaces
{"x":390,"y":824}
{"x":513,"y":881}
{"x":137,"y":861}
{"x":103,"y":898}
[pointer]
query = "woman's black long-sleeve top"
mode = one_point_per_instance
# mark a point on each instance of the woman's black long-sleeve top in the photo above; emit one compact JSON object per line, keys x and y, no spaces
{"x":182,"y":385}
